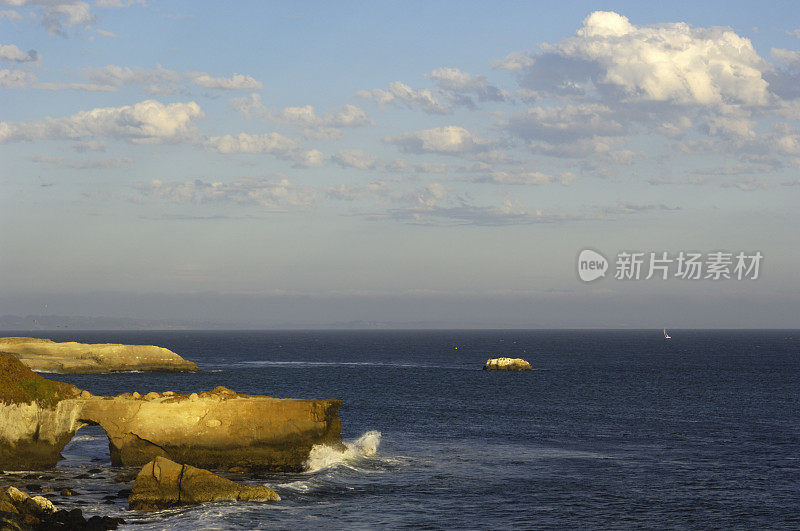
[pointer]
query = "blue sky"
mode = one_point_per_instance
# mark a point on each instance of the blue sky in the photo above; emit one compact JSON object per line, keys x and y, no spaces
{"x":403,"y":163}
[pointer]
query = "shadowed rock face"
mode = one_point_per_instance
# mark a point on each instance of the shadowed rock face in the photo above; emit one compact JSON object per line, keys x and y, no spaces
{"x":209,"y":429}
{"x":507,"y":364}
{"x":163,"y":483}
{"x":48,"y":356}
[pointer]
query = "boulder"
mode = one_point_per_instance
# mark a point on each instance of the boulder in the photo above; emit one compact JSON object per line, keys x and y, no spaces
{"x":19,"y":511}
{"x":507,"y":364}
{"x":164,"y":483}
{"x":218,"y":429}
{"x":45,"y":355}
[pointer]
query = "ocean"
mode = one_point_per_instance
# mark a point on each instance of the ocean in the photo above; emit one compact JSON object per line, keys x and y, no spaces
{"x":612,"y":429}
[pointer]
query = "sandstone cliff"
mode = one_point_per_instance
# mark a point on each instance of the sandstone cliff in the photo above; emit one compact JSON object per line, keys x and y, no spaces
{"x":48,"y":356}
{"x":212,"y":429}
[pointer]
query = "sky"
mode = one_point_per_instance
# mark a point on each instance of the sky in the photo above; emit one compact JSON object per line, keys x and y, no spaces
{"x":398,"y":164}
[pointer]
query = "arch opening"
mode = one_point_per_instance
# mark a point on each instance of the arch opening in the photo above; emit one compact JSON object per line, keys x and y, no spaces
{"x":87,"y":449}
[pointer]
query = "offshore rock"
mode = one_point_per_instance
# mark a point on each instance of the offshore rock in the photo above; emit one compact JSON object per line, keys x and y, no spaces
{"x":163,"y":483}
{"x":507,"y":364}
{"x":45,"y":355}
{"x":217,"y":429}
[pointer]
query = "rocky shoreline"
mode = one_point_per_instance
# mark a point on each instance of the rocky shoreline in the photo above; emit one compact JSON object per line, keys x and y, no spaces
{"x":165,"y":432}
{"x":44,"y":355}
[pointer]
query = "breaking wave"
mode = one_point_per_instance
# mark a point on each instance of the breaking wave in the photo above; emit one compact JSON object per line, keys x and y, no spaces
{"x":322,"y":456}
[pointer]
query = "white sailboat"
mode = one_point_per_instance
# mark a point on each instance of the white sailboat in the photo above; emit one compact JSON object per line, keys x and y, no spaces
{"x":666,"y":335}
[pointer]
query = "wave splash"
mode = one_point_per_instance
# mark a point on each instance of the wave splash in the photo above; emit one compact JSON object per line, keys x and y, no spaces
{"x":322,"y":456}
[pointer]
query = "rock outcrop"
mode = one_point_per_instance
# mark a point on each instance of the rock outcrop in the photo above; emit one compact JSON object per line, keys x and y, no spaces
{"x":507,"y":364}
{"x":210,"y":429}
{"x":18,"y":511}
{"x":163,"y":483}
{"x":45,"y":355}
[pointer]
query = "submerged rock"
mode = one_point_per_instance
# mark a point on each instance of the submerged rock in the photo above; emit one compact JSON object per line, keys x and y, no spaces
{"x":48,"y":356}
{"x":163,"y":483}
{"x":19,"y":511}
{"x":219,"y":429}
{"x":507,"y":364}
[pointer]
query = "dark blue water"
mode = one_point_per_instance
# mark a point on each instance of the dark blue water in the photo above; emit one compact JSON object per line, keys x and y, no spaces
{"x":614,"y":429}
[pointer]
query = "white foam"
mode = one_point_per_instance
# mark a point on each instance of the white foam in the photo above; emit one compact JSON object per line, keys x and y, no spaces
{"x":323,"y":456}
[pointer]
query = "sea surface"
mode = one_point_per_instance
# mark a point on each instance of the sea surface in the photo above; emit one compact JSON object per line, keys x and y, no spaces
{"x":612,"y":430}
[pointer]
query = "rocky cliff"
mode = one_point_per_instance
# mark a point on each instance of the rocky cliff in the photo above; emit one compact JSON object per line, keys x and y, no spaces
{"x":45,"y":355}
{"x":213,"y":429}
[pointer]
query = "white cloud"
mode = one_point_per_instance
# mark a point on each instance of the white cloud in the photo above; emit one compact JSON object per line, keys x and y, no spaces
{"x":10,"y":53}
{"x":62,"y":162}
{"x":788,"y":58}
{"x":305,"y":116}
{"x":58,"y":16}
{"x":274,"y":143}
{"x":89,"y":87}
{"x":122,"y":75}
{"x":450,"y":140}
{"x":235,"y":82}
{"x":355,"y":158}
{"x":105,"y":33}
{"x":274,"y":195}
{"x":566,"y":123}
{"x":308,"y":159}
{"x":145,"y":122}
{"x":401,"y":95}
{"x":15,"y":78}
{"x":671,"y":62}
{"x":267,"y":143}
{"x":454,"y":80}
{"x":516,"y":177}
{"x":160,"y":80}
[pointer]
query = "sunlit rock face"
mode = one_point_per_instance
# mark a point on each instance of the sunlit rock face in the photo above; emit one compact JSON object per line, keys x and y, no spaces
{"x":45,"y":355}
{"x":163,"y":483}
{"x":212,"y":429}
{"x":507,"y":364}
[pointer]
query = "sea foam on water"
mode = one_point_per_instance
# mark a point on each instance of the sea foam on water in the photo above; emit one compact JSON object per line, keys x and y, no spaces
{"x":323,"y":456}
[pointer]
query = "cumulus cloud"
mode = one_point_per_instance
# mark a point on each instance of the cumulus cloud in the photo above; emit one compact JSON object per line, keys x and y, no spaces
{"x":319,"y":125}
{"x":235,"y":82}
{"x":355,"y":158}
{"x":10,"y":53}
{"x":565,"y":123}
{"x":274,"y":195}
{"x":671,"y":62}
{"x":146,"y":122}
{"x":123,"y":75}
{"x":449,"y":140}
{"x":15,"y":78}
{"x":160,"y":80}
{"x":59,"y":16}
{"x":267,"y":143}
{"x":401,"y":95}
{"x":274,"y":143}
{"x":454,"y":80}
